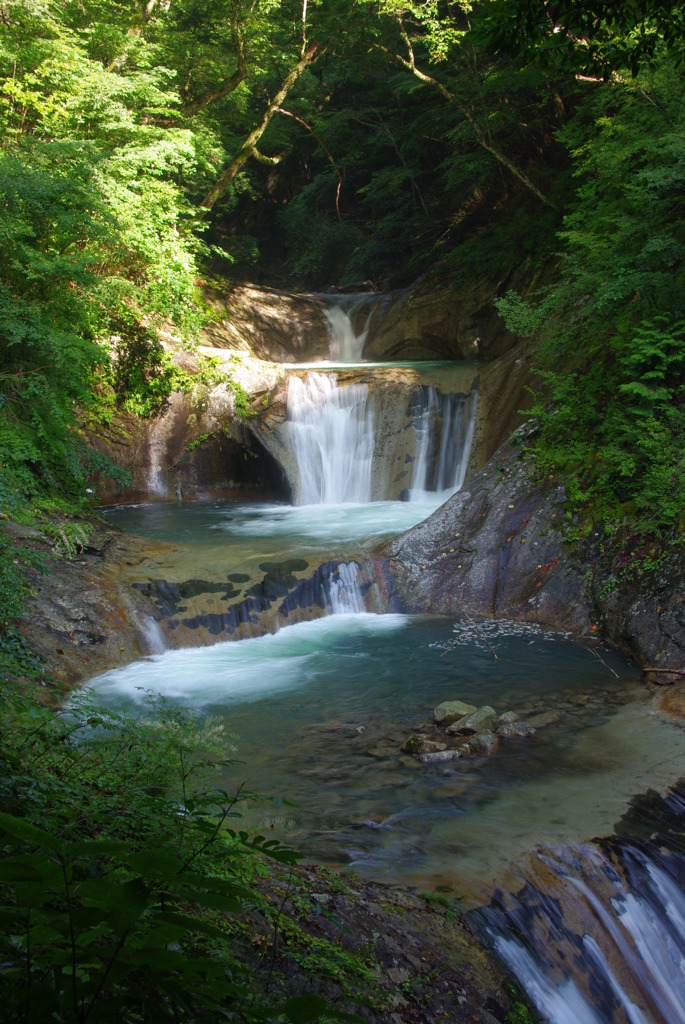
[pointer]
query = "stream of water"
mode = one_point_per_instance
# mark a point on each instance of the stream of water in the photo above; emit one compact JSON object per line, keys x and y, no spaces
{"x":319,"y":711}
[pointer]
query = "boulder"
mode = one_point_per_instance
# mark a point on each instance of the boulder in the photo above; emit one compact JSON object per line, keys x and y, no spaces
{"x":507,"y":717}
{"x":483,"y":719}
{"x":451,"y":711}
{"x":515,"y":729}
{"x":484,"y":743}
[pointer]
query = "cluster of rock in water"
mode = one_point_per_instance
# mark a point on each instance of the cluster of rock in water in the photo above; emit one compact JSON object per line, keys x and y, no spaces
{"x":459,"y":729}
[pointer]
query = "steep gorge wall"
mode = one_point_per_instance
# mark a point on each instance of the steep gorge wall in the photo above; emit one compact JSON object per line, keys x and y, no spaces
{"x":496,"y":549}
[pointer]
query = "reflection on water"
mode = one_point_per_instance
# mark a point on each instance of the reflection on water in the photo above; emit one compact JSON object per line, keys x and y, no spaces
{"x":320,"y":710}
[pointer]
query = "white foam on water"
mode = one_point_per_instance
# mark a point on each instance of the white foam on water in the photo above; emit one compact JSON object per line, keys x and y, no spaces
{"x":240,"y":671}
{"x":335,"y":522}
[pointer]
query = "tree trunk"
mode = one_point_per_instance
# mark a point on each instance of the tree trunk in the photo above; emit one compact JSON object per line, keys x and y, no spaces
{"x":249,"y":147}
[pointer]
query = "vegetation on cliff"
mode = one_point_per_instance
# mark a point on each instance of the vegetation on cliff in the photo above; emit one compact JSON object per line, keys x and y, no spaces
{"x":611,"y":331}
{"x":310,"y":143}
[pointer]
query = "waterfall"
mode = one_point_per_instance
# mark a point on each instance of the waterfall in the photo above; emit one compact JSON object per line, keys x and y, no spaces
{"x":338,"y":459}
{"x":444,"y":432}
{"x":331,"y":431}
{"x":347,"y":341}
{"x":343,"y":590}
{"x":597,"y":933}
{"x":154,"y":638}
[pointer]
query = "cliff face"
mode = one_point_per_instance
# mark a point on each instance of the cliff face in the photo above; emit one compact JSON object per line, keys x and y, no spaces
{"x":439,"y":317}
{"x":496,"y":549}
{"x":493,"y":549}
{"x":271,"y":325}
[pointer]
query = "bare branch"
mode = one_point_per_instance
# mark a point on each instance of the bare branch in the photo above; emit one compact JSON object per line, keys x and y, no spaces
{"x":324,"y":147}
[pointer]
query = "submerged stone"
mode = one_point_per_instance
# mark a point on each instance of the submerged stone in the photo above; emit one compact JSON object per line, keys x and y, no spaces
{"x":545,"y":718}
{"x":436,"y":756}
{"x":419,"y":744}
{"x":450,"y":711}
{"x":515,"y":729}
{"x":507,"y":717}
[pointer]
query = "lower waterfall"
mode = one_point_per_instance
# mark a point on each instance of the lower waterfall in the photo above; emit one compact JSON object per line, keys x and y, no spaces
{"x":343,"y":590}
{"x":331,"y":431}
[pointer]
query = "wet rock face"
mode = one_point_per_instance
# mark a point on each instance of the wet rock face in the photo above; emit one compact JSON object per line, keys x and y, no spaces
{"x":645,"y":616}
{"x":434,"y":320}
{"x":431,"y":320}
{"x":495,"y":549}
{"x":197,"y":612}
{"x":196,"y":447}
{"x":80,"y":620}
{"x":491,"y":550}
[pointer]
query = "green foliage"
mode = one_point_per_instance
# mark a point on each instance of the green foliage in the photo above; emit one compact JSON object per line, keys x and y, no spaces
{"x":595,"y":37}
{"x":14,"y":657}
{"x":107,"y":909}
{"x":611,"y":353}
{"x":123,"y":891}
{"x":521,"y":317}
{"x":130,"y":886}
{"x":98,"y":250}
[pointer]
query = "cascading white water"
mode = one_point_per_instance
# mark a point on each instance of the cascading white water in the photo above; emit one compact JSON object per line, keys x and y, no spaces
{"x":444,"y":432}
{"x":347,"y":340}
{"x":331,"y":428}
{"x":602,"y":948}
{"x":346,"y":345}
{"x":343,"y":590}
{"x":331,"y":431}
{"x":154,"y":638}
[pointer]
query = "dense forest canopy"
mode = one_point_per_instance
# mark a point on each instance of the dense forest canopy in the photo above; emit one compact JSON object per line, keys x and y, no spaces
{"x":147,"y":147}
{"x":152,"y":146}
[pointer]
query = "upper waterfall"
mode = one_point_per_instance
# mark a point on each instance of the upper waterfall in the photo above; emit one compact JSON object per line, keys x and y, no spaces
{"x":348,"y":318}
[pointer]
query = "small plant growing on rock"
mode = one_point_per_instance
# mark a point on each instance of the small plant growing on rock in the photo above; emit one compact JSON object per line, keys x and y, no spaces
{"x":69,"y":538}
